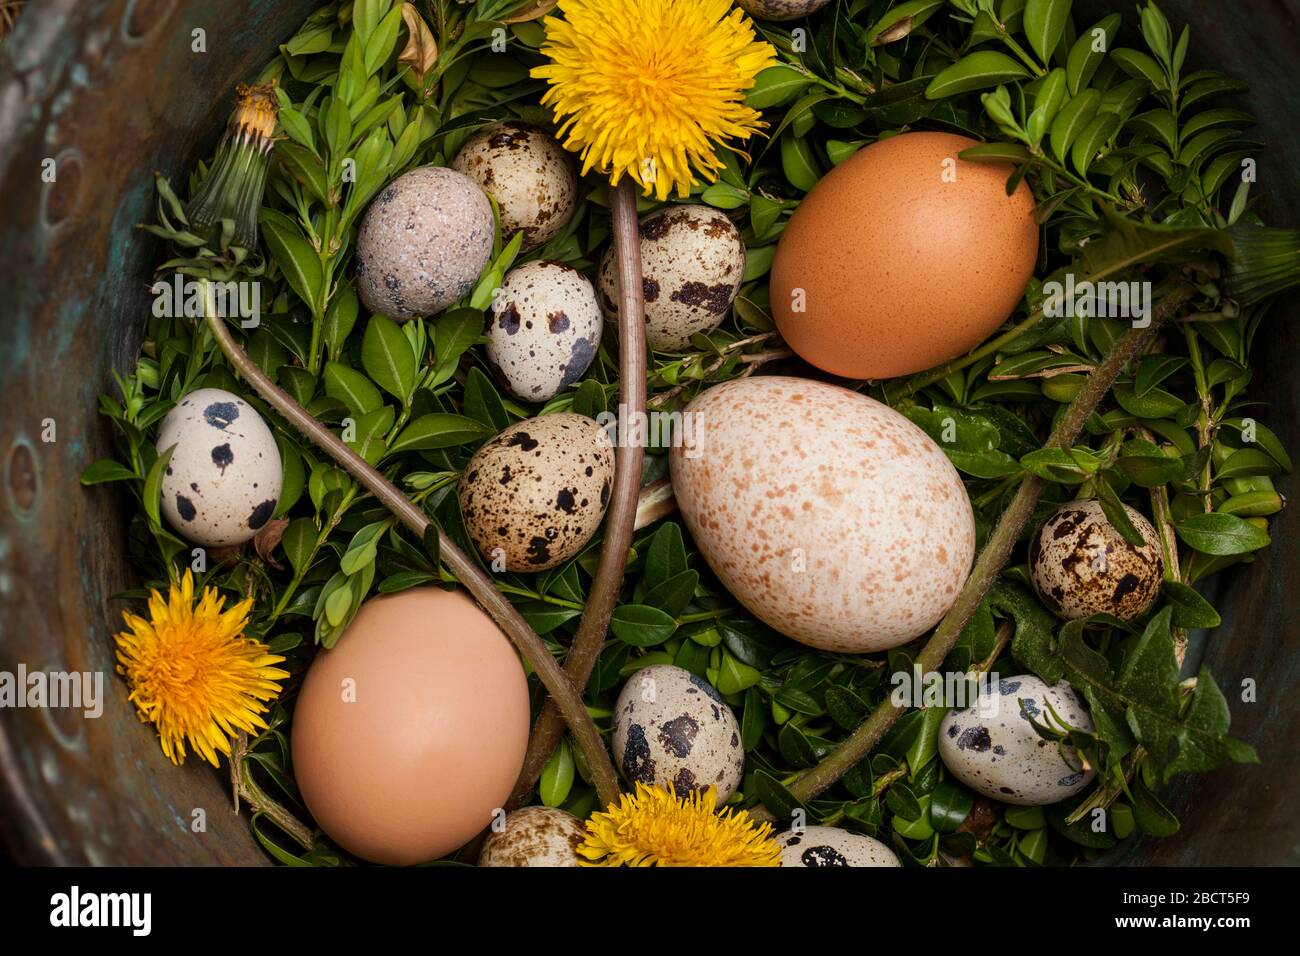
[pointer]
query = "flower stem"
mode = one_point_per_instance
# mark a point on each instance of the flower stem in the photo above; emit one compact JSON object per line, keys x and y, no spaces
{"x":524,"y":638}
{"x":621,"y":519}
{"x":989,"y":564}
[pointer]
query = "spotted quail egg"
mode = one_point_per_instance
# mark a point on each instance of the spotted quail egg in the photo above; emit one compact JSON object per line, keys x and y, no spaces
{"x":693,"y":260}
{"x":671,"y":727}
{"x":536,"y":493}
{"x":534,"y":836}
{"x":831,"y":846}
{"x":1080,"y":565}
{"x":222,"y":482}
{"x":781,"y":9}
{"x":543,"y":329}
{"x":530,"y":175}
{"x":423,"y":243}
{"x":992,"y":746}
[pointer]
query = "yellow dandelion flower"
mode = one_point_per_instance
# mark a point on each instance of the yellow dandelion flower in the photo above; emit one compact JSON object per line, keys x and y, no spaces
{"x":649,"y":88}
{"x":655,"y":827}
{"x":193,"y":674}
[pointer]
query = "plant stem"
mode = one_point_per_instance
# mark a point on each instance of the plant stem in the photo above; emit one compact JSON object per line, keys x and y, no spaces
{"x":621,"y":519}
{"x":989,"y":564}
{"x":525,"y":640}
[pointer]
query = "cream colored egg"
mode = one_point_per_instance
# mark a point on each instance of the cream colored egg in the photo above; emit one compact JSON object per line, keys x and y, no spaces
{"x":543,"y":329}
{"x":672,"y":727}
{"x":828,"y":515}
{"x":693,"y":261}
{"x":533,"y":496}
{"x":222,"y":482}
{"x":992,"y":746}
{"x":831,"y":846}
{"x":535,"y":836}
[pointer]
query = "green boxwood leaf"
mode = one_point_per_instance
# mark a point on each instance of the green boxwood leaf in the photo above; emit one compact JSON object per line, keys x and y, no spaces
{"x":387,"y":358}
{"x":439,"y":430}
{"x":1221,"y":534}
{"x":975,"y":71}
{"x":352,"y":389}
{"x":1044,"y":24}
{"x":641,"y":626}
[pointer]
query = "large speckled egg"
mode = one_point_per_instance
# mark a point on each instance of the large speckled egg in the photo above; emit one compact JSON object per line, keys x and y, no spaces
{"x":693,"y":260}
{"x":409,"y":733}
{"x":223,"y":480}
{"x":781,"y":9}
{"x":992,"y":746}
{"x":902,"y":258}
{"x":543,"y":329}
{"x":423,"y":243}
{"x":1080,"y":565}
{"x":535,"y":836}
{"x":671,"y":727}
{"x":831,"y":846}
{"x":827,"y":514}
{"x":528,"y":173}
{"x":536,"y":493}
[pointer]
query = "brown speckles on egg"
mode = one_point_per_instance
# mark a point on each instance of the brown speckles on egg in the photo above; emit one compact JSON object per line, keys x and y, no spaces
{"x":530,"y":175}
{"x":523,"y":492}
{"x":693,"y":259}
{"x":671,"y":727}
{"x":812,"y":534}
{"x":535,"y":836}
{"x":1080,"y":565}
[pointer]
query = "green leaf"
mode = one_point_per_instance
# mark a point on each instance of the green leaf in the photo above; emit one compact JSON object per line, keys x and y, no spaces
{"x":776,"y":86}
{"x":1140,"y":66}
{"x":1033,"y":644}
{"x":1221,"y":534}
{"x":1071,"y":121}
{"x":641,"y":626}
{"x":780,"y":802}
{"x":299,"y":542}
{"x":379,"y":47}
{"x":733,"y":676}
{"x":1090,"y":142}
{"x":298,"y":261}
{"x":1152,"y":816}
{"x":975,"y":71}
{"x":439,"y":430}
{"x":363,"y":547}
{"x":152,"y":493}
{"x":105,"y":470}
{"x":453,"y":334}
{"x":1117,"y":515}
{"x":557,"y":776}
{"x":1069,"y":466}
{"x":672,"y":596}
{"x":387,"y":358}
{"x":1044,"y":24}
{"x":352,"y":389}
{"x":1083,"y":59}
{"x":996,"y":153}
{"x":666,"y":556}
{"x":483,"y":403}
{"x":1189,"y":608}
{"x":950,"y":805}
{"x":798,"y":163}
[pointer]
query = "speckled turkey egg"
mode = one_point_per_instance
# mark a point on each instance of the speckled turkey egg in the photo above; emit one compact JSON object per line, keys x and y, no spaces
{"x":1080,"y":565}
{"x":671,"y":727}
{"x":543,"y":329}
{"x":831,"y":846}
{"x":530,"y":175}
{"x":781,"y":9}
{"x":693,"y":260}
{"x":223,"y":480}
{"x":828,"y":515}
{"x":423,"y":243}
{"x":535,"y":836}
{"x":536,"y":493}
{"x":993,"y":748}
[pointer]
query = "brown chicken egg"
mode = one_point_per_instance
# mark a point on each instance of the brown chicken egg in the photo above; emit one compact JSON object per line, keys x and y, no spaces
{"x":409,"y":733}
{"x":902,"y":258}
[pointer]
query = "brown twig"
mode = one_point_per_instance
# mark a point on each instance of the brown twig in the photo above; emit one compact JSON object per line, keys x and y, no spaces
{"x":621,"y":518}
{"x":989,"y":564}
{"x":525,"y":640}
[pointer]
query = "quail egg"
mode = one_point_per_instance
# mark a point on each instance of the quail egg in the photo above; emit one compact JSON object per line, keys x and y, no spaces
{"x":781,"y":9}
{"x":693,"y":260}
{"x":1080,"y":565}
{"x":535,"y":836}
{"x":530,"y":175}
{"x":223,"y":480}
{"x":536,"y":493}
{"x":992,"y":746}
{"x":543,"y":329}
{"x":423,"y":243}
{"x":671,"y":727}
{"x":831,"y":846}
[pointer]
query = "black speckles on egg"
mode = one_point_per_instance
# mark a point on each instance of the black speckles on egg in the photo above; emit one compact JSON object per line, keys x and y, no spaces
{"x":678,"y":735}
{"x":185,"y":508}
{"x":831,"y":846}
{"x":221,"y":415}
{"x":822,"y":856}
{"x":261,"y":514}
{"x":975,"y":738}
{"x":223,"y":457}
{"x":638,"y":765}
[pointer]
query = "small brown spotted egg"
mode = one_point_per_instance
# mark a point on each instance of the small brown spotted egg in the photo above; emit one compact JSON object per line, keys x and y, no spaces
{"x":533,"y":496}
{"x":530,"y":175}
{"x":535,"y":836}
{"x":781,"y":9}
{"x":693,"y":260}
{"x":1080,"y":565}
{"x":222,"y":482}
{"x":543,"y":329}
{"x":423,"y":243}
{"x":671,"y":727}
{"x":992,"y":746}
{"x":831,"y":846}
